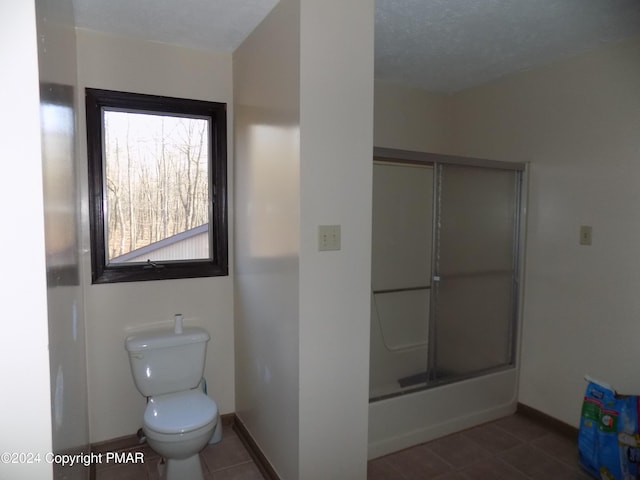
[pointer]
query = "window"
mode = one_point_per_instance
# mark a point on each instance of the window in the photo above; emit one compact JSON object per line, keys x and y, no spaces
{"x":157,"y":187}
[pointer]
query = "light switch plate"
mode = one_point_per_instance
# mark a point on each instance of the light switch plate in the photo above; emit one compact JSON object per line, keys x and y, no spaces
{"x":585,"y":234}
{"x":328,"y":237}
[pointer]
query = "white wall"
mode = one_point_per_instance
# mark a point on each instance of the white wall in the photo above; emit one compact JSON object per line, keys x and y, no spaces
{"x":67,"y":352}
{"x":114,"y":311}
{"x":336,"y":137}
{"x":577,"y":122}
{"x":267,"y":165}
{"x":25,"y":413}
{"x":303,"y":315}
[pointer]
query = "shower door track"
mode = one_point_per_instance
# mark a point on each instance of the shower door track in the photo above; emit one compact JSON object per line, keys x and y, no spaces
{"x":393,"y":155}
{"x":442,"y":382}
{"x":406,"y":289}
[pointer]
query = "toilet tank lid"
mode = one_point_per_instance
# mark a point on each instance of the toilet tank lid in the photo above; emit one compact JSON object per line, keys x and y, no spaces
{"x":165,"y":338}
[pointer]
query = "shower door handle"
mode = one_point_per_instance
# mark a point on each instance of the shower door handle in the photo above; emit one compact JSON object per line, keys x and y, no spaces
{"x":436,"y":278}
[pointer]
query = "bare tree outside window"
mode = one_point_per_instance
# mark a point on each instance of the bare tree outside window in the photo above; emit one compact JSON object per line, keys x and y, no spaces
{"x":156,"y":182}
{"x":157,"y":187}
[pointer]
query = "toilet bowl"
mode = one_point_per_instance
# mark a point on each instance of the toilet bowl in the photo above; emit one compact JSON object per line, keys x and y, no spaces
{"x":177,"y":427}
{"x":180,"y":418}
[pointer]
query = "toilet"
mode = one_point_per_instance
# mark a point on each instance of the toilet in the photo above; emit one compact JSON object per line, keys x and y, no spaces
{"x":180,"y":418}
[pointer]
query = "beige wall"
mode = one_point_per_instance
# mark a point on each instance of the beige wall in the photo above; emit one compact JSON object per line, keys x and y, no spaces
{"x":411,"y":119}
{"x":25,"y":405}
{"x":577,"y":122}
{"x":114,"y":311}
{"x":336,"y":137}
{"x":303,"y":315}
{"x":267,"y":165}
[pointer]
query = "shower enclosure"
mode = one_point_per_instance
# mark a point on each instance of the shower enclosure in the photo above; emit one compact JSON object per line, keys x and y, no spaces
{"x":445,"y":293}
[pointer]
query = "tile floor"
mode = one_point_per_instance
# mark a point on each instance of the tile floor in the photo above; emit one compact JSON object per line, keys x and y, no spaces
{"x":512,"y":448}
{"x":227,"y":460}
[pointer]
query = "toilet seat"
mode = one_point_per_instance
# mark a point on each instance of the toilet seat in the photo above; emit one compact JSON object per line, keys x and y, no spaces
{"x":179,"y":412}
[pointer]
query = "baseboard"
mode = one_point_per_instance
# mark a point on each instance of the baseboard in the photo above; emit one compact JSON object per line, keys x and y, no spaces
{"x":129,"y":442}
{"x":229,"y":420}
{"x":258,"y":457}
{"x":548,"y":421}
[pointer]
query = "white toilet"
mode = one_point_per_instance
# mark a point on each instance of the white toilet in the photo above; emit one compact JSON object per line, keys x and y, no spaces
{"x":180,"y":419}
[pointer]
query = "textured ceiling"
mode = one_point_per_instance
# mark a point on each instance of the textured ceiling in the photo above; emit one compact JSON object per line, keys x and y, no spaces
{"x":206,"y":24}
{"x":450,"y":45}
{"x":439,"y":45}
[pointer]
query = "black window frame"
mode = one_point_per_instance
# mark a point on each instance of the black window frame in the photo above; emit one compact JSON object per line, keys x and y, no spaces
{"x":217,"y":265}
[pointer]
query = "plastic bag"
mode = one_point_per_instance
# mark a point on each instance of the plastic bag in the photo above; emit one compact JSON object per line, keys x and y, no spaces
{"x":608,"y":437}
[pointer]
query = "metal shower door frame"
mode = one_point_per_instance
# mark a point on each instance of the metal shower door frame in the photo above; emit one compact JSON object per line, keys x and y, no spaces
{"x":437,"y":161}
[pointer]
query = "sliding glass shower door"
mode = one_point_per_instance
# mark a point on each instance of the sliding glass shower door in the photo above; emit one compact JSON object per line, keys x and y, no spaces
{"x":444,"y":272}
{"x":474,"y":292}
{"x":400,"y":276}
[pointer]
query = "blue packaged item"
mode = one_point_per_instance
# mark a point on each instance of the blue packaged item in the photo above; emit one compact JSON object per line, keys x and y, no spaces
{"x":608,"y":438}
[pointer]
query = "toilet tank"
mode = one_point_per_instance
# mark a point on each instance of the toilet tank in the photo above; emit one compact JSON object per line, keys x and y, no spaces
{"x":165,"y":362}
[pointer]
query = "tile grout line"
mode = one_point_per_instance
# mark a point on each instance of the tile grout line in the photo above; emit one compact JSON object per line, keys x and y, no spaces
{"x":228,"y":467}
{"x":528,"y":433}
